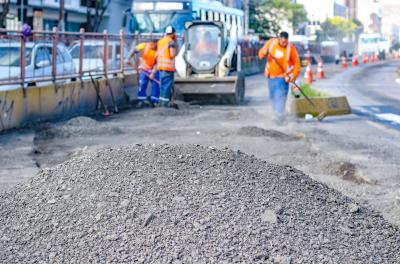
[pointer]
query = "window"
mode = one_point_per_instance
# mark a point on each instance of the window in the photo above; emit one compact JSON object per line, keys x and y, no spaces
{"x":216,"y":16}
{"x":210,"y":16}
{"x":75,"y":52}
{"x":9,"y":56}
{"x":59,"y":57}
{"x":42,"y":54}
{"x":228,"y":20}
{"x":203,"y":15}
{"x":222,"y":18}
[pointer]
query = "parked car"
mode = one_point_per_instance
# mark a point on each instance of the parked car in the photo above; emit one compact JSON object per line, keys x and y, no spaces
{"x":38,"y":63}
{"x":93,"y":55}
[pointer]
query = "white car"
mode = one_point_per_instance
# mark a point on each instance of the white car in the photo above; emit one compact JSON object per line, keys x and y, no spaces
{"x":93,"y":57}
{"x":38,"y":61}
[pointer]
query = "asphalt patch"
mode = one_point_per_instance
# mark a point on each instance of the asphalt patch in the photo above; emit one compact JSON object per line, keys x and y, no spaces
{"x":349,"y":172}
{"x":253,"y":131}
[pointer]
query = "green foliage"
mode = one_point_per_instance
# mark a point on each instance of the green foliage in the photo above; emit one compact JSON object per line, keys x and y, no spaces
{"x":311,"y":92}
{"x":267,"y":16}
{"x":338,"y":28}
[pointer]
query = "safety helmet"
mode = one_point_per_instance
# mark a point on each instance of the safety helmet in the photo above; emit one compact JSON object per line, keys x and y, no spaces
{"x":170,"y":30}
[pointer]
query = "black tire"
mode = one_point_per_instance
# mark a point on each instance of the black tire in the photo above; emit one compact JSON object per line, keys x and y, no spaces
{"x":238,"y":97}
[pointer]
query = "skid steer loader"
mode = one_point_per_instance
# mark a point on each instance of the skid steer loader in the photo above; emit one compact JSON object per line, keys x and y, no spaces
{"x":208,"y":64}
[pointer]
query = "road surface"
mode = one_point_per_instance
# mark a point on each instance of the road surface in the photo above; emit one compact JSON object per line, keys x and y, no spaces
{"x":357,"y":154}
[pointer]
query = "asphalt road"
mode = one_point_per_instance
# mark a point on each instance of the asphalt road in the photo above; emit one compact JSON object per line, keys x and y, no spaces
{"x":356,"y":154}
{"x":373,"y":91}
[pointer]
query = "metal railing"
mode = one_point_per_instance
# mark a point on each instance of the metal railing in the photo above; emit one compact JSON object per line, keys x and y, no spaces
{"x":63,"y":56}
{"x":52,"y":56}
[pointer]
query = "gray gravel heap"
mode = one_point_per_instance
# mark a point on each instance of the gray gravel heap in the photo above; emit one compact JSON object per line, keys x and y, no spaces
{"x":78,"y":126}
{"x":186,"y":204}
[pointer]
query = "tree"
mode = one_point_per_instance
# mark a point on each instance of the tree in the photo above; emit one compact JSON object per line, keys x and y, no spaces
{"x":95,"y":13}
{"x":338,"y":28}
{"x":268,"y":16}
{"x":5,"y":4}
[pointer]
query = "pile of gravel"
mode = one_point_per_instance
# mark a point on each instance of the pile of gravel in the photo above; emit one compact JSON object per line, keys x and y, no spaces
{"x":186,"y":204}
{"x":79,"y":126}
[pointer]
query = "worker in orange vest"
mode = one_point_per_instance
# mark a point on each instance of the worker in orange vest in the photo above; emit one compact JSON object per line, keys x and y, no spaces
{"x":206,"y":45}
{"x":166,"y":52}
{"x":147,"y":72}
{"x":282,"y":68}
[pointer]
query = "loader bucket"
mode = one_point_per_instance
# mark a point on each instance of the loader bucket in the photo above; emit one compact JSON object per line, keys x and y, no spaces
{"x":222,"y":90}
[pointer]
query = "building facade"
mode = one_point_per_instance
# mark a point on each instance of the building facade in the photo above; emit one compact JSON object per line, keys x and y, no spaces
{"x":45,"y":14}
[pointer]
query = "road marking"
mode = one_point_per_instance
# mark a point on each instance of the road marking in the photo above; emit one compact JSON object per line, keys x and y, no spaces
{"x":390,"y":117}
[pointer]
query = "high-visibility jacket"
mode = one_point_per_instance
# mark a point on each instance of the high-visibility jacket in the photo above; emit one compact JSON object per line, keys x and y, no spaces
{"x":148,"y":58}
{"x":288,"y":59}
{"x":165,"y":62}
{"x":203,"y":47}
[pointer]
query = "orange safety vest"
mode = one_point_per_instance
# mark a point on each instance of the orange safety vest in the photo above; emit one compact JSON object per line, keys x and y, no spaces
{"x":203,"y":47}
{"x":285,"y":62}
{"x":148,"y":58}
{"x":164,"y":60}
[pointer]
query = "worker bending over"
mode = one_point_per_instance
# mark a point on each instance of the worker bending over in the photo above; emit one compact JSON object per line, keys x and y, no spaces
{"x":147,"y":72}
{"x":282,"y":68}
{"x":166,"y":52}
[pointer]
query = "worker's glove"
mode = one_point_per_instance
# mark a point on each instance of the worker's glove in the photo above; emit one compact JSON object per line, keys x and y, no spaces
{"x":296,"y":92}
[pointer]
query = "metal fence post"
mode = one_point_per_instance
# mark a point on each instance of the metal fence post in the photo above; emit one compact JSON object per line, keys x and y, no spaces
{"x":81,"y":40}
{"x":54,"y":54}
{"x":22,"y":63}
{"x":121,"y":53}
{"x":105,"y":59}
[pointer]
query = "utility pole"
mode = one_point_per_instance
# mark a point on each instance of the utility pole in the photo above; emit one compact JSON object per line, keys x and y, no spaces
{"x":246,"y":16}
{"x":61,"y":18}
{"x":22,"y":12}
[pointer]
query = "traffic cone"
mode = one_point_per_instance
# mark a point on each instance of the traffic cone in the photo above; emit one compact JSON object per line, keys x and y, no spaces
{"x":320,"y":70}
{"x":365,"y":59}
{"x":354,"y":61}
{"x":344,"y":63}
{"x":308,"y":76}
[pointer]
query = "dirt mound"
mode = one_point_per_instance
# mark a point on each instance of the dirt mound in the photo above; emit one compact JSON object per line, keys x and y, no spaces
{"x":349,"y":172}
{"x":186,"y":204}
{"x":253,"y":131}
{"x":79,"y":126}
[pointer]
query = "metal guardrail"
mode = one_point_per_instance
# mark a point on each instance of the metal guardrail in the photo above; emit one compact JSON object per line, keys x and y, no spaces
{"x":52,"y":56}
{"x":61,"y":56}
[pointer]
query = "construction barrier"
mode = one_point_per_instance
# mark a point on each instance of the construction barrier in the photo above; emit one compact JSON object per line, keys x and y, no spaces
{"x":24,"y":106}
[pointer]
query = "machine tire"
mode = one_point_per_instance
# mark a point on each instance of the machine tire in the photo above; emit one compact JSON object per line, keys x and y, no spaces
{"x":238,"y":97}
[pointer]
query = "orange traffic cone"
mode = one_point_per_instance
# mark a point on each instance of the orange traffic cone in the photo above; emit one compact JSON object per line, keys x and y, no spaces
{"x":365,"y":59}
{"x":308,"y":76}
{"x":320,"y":70}
{"x":344,"y":63}
{"x":354,"y":61}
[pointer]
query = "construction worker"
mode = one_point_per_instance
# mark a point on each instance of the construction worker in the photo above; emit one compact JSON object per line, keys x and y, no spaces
{"x":282,"y":68}
{"x":147,"y":71}
{"x":166,"y":52}
{"x":206,"y":45}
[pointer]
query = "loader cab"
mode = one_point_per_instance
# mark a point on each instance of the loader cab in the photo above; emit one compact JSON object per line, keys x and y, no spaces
{"x":204,"y":45}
